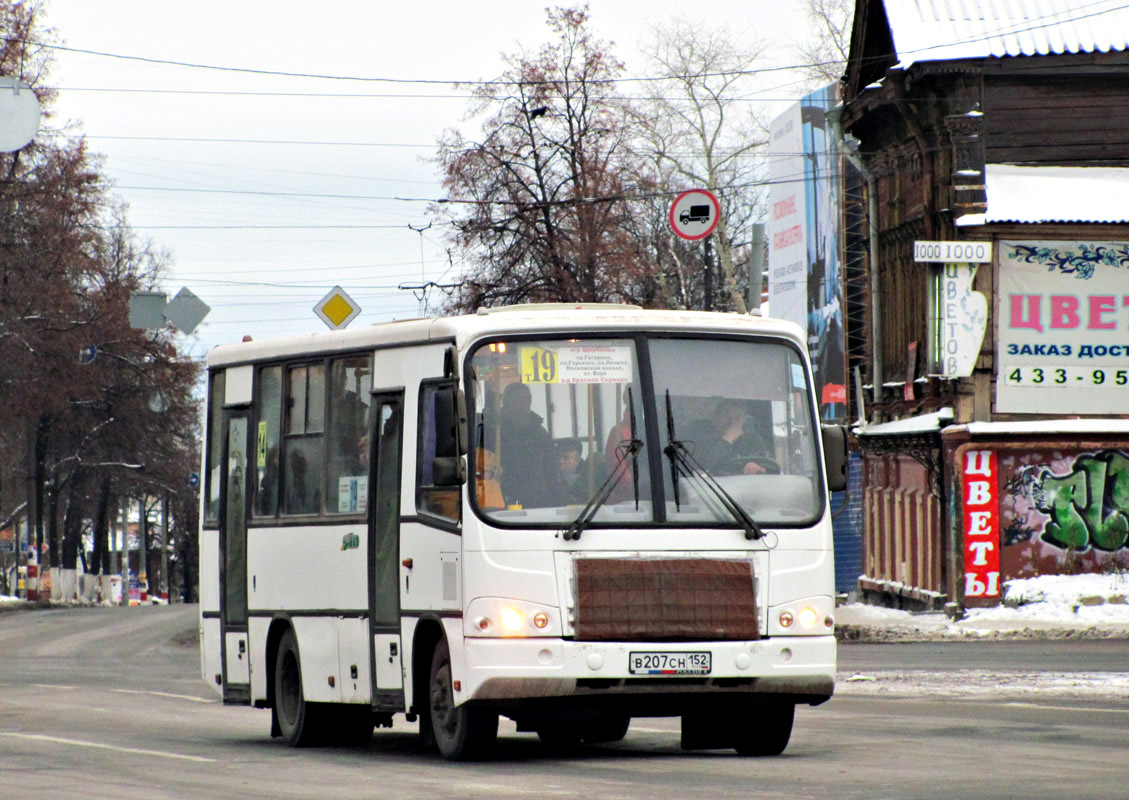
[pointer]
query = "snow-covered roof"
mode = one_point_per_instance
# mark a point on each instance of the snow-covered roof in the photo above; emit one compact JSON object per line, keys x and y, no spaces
{"x":1053,"y":194}
{"x":1093,"y":425}
{"x":923,"y":423}
{"x":943,"y":30}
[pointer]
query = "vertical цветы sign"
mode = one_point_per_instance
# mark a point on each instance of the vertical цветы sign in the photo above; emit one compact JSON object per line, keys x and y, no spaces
{"x":981,"y":525}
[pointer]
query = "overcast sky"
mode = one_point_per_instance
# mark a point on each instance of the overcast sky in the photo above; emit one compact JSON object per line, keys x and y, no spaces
{"x":267,"y":190}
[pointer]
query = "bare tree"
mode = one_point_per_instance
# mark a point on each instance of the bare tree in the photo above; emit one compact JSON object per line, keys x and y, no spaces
{"x":77,"y":431}
{"x":699,"y":133}
{"x":823,"y":56}
{"x":540,"y":204}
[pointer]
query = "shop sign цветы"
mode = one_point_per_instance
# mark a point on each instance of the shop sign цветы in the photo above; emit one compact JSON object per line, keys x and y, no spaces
{"x":981,"y":525}
{"x":1062,"y":318}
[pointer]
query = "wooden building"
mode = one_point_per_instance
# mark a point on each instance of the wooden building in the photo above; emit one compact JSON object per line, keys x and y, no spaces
{"x":1004,"y":455}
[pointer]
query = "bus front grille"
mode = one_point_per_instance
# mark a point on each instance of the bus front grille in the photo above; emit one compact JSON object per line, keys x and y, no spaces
{"x":673,"y":599}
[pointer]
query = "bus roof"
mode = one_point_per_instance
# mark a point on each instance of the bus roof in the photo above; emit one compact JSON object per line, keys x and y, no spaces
{"x":530,"y":318}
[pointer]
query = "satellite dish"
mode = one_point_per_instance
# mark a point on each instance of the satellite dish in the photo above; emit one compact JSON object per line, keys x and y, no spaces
{"x":19,"y":114}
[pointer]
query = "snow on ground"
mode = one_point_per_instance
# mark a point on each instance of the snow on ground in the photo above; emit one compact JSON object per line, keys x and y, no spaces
{"x":1061,"y":606}
{"x":1047,"y":607}
{"x":1069,"y":605}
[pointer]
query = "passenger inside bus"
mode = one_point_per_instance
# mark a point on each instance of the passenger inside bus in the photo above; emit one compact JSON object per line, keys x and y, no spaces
{"x":488,"y":487}
{"x":529,"y":474}
{"x":723,"y":446}
{"x":573,"y":472}
{"x":615,"y":448}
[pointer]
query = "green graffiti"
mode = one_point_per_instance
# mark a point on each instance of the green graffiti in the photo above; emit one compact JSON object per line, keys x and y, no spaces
{"x":1090,"y":506}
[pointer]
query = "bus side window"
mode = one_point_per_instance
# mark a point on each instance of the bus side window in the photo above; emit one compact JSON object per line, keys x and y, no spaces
{"x":437,"y":491}
{"x":268,"y":412}
{"x":350,"y":385}
{"x":215,"y":444}
{"x":302,"y":459}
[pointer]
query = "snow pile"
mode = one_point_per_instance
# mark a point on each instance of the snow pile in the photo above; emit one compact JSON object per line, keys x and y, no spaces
{"x":5,"y":598}
{"x":1055,"y":605}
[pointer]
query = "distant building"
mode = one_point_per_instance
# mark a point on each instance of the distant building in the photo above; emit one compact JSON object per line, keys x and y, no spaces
{"x":996,"y":443}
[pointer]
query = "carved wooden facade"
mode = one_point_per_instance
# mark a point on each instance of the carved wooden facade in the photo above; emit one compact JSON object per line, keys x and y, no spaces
{"x":926,"y":133}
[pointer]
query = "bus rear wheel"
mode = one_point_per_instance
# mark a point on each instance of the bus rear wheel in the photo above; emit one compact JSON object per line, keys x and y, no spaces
{"x":297,"y":720}
{"x":461,"y":733}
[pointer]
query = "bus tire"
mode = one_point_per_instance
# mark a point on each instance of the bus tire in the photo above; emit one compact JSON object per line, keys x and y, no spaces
{"x":561,"y":735}
{"x":461,"y":733}
{"x":606,"y":729}
{"x":297,"y":719}
{"x":769,"y":730}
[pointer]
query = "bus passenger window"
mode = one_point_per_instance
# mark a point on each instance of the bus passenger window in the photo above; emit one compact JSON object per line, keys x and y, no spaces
{"x":438,"y":489}
{"x":268,"y":413}
{"x":350,"y":385}
{"x":302,"y":462}
{"x":215,"y":444}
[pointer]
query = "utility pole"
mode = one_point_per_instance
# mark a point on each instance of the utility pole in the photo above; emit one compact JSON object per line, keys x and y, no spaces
{"x":142,"y":551}
{"x":125,"y":552}
{"x":707,"y":253}
{"x":166,"y":539}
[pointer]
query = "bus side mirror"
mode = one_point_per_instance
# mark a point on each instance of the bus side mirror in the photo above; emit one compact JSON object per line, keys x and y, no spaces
{"x":448,"y":471}
{"x":460,"y":422}
{"x":835,"y":456}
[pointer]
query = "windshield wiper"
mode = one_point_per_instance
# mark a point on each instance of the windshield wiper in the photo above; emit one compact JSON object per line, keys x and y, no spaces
{"x":682,"y":462}
{"x":627,"y":448}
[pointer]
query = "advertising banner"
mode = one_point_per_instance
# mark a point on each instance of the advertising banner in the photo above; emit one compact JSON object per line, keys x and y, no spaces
{"x":1062,"y":316}
{"x":805,"y":268}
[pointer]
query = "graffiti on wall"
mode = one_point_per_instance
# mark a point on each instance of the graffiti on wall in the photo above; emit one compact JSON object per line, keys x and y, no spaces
{"x":1067,"y":503}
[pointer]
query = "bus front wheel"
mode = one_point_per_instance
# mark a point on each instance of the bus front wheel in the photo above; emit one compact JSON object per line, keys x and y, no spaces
{"x":297,"y":720}
{"x":769,"y":731}
{"x":461,"y":733}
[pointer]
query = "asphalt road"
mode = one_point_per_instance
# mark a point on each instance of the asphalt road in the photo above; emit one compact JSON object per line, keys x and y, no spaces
{"x":108,"y":703}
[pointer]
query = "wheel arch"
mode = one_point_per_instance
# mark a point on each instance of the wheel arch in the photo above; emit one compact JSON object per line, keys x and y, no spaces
{"x":278,"y":628}
{"x":428,"y":633}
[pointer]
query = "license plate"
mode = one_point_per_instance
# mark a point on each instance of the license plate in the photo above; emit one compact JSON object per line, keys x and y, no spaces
{"x":668,"y":663}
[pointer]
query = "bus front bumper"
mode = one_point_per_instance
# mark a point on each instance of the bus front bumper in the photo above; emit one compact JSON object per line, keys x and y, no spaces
{"x":511,"y":669}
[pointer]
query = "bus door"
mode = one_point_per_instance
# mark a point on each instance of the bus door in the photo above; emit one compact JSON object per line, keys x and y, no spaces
{"x":235,"y":652}
{"x":384,"y":549}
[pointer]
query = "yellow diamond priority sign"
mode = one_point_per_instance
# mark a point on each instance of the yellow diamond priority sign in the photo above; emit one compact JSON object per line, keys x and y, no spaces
{"x":337,"y":309}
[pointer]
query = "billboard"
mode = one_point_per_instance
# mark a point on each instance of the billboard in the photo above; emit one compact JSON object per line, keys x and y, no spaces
{"x":1063,"y":310}
{"x":804,"y":262}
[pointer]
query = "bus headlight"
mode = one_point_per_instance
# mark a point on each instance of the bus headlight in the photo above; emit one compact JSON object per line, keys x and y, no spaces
{"x":496,"y":616}
{"x":813,"y":615}
{"x":512,"y":620}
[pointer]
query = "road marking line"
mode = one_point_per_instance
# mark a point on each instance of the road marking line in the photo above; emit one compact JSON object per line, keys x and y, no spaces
{"x":1069,"y":708}
{"x":52,"y":686}
{"x":165,"y":694}
{"x":101,"y":746}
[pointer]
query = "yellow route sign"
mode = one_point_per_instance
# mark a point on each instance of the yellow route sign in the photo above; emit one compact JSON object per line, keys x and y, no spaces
{"x":538,"y":365}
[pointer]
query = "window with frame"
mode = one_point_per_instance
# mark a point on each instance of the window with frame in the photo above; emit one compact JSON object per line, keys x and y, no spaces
{"x":438,"y":480}
{"x":347,"y":446}
{"x":216,"y":386}
{"x":268,"y":414}
{"x":303,"y":443}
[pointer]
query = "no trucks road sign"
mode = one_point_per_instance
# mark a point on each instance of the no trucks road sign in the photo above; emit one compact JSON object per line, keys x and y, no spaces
{"x":694,"y":214}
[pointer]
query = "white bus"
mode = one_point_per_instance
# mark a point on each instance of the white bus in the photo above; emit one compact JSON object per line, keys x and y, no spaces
{"x":571,"y":516}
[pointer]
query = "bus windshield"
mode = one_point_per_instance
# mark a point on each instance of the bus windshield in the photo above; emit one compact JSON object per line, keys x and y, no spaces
{"x":563,"y":424}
